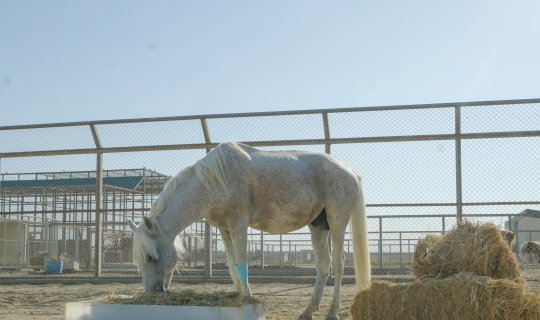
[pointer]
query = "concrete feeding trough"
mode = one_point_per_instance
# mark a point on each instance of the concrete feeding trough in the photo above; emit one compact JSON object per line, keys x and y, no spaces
{"x":97,"y":309}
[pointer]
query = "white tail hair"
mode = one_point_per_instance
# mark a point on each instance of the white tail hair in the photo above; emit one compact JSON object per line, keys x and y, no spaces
{"x":362,"y":264}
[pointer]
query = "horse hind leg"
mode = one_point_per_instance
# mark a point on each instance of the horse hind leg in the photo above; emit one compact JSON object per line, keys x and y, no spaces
{"x":319,"y":240}
{"x":337,"y":233}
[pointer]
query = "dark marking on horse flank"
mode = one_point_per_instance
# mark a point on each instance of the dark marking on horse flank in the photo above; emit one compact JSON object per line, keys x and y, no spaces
{"x":321,"y":220}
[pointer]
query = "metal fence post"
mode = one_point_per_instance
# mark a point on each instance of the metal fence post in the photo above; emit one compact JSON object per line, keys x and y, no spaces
{"x":459,"y":186}
{"x":262,"y":250}
{"x":380,"y":243}
{"x":208,"y":255}
{"x":19,"y":246}
{"x":77,"y":243}
{"x":281,"y":250}
{"x":207,"y":235}
{"x":443,"y":224}
{"x":327,"y":150}
{"x":99,"y":202}
{"x":409,"y":250}
{"x":400,"y":251}
{"x":99,"y":205}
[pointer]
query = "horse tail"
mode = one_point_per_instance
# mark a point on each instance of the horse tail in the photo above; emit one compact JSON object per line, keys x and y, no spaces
{"x":362,"y":265}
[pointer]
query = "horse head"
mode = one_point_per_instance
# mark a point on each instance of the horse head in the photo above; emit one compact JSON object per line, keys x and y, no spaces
{"x":155,"y":254}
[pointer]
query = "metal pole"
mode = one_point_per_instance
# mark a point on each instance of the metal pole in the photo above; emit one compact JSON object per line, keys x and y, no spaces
{"x":327,"y":150}
{"x":409,"y":250}
{"x":208,"y":256}
{"x":77,"y":244}
{"x":443,"y":225}
{"x":327,"y":145}
{"x":19,"y":245}
{"x":99,"y":204}
{"x":281,"y":250}
{"x":400,"y":251}
{"x":262,"y":250}
{"x":99,"y":201}
{"x":390,"y":255}
{"x":289,"y":256}
{"x":459,"y":191}
{"x":295,"y":256}
{"x":380,"y":243}
{"x":207,"y":232}
{"x":191,"y":255}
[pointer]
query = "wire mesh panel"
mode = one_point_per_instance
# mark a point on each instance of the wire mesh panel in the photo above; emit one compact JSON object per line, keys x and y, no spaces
{"x":267,"y":128}
{"x":43,"y":139}
{"x":392,"y":123}
{"x":150,"y":133}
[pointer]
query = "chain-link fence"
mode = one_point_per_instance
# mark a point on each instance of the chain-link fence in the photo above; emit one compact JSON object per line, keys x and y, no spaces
{"x":68,"y":190}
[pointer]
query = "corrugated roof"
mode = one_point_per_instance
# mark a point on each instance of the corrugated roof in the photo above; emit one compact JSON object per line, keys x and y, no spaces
{"x":530,"y":213}
{"x":120,"y":182}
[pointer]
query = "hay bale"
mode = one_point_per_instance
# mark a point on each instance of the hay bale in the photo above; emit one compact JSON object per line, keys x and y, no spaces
{"x":464,"y":296}
{"x":476,"y":248}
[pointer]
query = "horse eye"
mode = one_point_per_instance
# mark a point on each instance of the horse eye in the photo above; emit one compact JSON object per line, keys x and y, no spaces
{"x":150,"y":258}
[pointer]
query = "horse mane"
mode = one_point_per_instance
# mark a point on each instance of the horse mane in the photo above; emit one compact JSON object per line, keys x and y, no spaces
{"x":210,"y":170}
{"x":170,"y":186}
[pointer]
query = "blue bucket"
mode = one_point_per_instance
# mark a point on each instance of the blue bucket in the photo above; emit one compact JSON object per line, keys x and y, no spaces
{"x":54,"y":266}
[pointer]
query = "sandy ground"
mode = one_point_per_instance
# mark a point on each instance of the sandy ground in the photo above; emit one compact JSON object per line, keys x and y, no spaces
{"x":282,"y":301}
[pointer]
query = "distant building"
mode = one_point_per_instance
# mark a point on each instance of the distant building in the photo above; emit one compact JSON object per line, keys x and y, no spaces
{"x":526,"y":226}
{"x":51,"y":214}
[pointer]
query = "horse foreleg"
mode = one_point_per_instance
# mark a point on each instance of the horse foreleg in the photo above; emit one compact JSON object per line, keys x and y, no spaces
{"x":229,"y":251}
{"x":238,"y":234}
{"x":319,"y":240}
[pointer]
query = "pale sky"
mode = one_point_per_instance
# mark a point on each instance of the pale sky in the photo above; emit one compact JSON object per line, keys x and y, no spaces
{"x":89,"y":60}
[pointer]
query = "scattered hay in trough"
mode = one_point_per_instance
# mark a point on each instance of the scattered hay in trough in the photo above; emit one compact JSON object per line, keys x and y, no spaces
{"x":185,"y":298}
{"x":477,"y":248}
{"x":463,"y":296}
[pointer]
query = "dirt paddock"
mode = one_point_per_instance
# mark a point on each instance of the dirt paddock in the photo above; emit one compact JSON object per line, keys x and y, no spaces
{"x":282,"y":300}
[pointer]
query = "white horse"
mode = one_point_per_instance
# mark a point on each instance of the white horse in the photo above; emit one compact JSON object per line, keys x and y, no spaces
{"x":235,"y":187}
{"x":530,"y":250}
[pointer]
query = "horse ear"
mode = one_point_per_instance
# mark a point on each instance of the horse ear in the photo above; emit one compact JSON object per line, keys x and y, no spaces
{"x":149,"y":224}
{"x":134,"y":227}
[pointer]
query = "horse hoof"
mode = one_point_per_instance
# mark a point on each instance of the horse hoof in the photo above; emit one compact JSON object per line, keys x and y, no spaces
{"x":332,"y":317}
{"x":305,"y":316}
